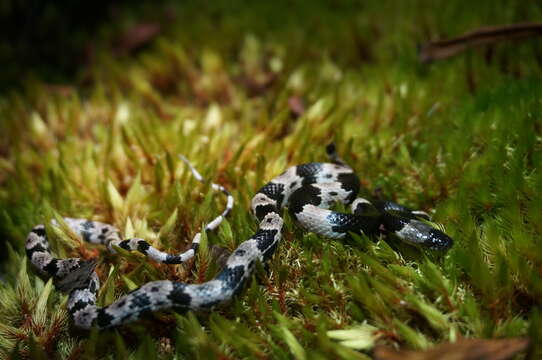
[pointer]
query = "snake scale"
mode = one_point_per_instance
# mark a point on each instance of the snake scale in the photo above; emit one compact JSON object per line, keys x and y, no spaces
{"x":307,"y":190}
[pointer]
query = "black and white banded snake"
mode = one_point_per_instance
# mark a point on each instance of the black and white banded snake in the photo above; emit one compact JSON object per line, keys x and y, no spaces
{"x":308,"y":190}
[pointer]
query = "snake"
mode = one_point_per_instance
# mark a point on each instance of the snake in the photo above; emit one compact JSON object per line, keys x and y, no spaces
{"x":308,"y":191}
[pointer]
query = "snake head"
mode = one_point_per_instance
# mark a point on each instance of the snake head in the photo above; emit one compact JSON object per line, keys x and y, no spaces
{"x":437,"y":240}
{"x":417,"y":232}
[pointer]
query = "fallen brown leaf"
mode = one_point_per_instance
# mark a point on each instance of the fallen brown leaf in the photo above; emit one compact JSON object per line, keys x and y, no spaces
{"x":78,"y":278}
{"x":466,"y":349}
{"x":64,"y":90}
{"x":220,"y":255}
{"x":136,"y":37}
{"x":438,"y":50}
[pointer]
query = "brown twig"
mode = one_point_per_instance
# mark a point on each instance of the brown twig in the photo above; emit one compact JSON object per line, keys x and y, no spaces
{"x":464,"y":349}
{"x":443,"y":49}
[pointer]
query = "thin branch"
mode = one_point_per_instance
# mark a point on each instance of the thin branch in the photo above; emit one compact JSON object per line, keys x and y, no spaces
{"x":438,"y":50}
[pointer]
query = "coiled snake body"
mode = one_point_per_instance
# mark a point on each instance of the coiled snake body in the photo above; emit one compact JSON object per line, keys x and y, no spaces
{"x":308,"y":190}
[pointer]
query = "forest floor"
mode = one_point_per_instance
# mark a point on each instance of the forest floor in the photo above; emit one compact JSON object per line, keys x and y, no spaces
{"x":245,"y":91}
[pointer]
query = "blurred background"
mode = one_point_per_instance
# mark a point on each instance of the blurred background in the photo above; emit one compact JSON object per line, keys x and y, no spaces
{"x":59,"y":42}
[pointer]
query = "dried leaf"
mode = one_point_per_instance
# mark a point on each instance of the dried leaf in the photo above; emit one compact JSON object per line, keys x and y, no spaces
{"x":220,"y":255}
{"x":136,"y":37}
{"x":466,"y":349}
{"x":76,"y":279}
{"x":438,"y":50}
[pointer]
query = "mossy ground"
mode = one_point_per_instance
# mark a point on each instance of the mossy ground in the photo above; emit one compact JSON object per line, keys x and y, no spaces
{"x":461,"y":139}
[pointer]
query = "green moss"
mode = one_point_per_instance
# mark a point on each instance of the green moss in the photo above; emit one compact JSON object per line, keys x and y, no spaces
{"x":215,"y":87}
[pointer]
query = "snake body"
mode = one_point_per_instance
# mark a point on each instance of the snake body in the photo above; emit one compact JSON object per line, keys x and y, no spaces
{"x":308,"y":190}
